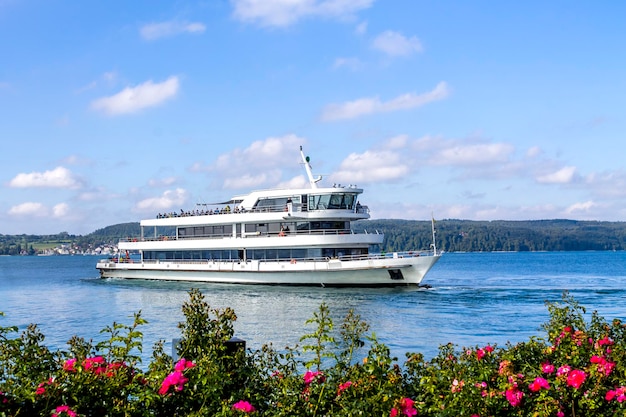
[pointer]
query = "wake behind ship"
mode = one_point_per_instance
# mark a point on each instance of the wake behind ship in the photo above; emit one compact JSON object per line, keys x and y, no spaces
{"x":279,"y":237}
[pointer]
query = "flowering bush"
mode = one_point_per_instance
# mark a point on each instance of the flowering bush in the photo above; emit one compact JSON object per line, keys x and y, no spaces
{"x":577,"y":369}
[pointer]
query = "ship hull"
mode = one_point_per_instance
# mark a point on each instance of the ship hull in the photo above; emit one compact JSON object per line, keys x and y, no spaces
{"x":395,"y":270}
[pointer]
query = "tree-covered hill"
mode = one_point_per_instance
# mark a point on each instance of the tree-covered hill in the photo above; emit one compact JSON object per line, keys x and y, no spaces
{"x":499,"y":235}
{"x":400,"y":235}
{"x":117,"y":231}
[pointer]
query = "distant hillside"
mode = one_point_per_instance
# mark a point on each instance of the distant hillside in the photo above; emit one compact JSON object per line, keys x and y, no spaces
{"x":499,"y":235}
{"x":118,"y":230}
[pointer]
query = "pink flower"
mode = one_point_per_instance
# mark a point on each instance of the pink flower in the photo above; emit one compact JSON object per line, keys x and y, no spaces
{"x":619,"y":394}
{"x":457,"y":385}
{"x":113,"y":367}
{"x":547,"y":368}
{"x":483,"y":388}
{"x":244,"y":406}
{"x":605,"y":341}
{"x":183,"y":364}
{"x":64,"y":409}
{"x":480,"y":354}
{"x":539,"y":383}
{"x":560,"y":414}
{"x":393,"y":412}
{"x":176,"y":379}
{"x":406,"y":404}
{"x":604,"y":367}
{"x":41,"y":388}
{"x":488,"y":349}
{"x":310,"y":376}
{"x":576,"y":378}
{"x":504,"y":367}
{"x":514,"y":396}
{"x":563,"y":370}
{"x":95,"y":364}
{"x":69,"y":365}
{"x":343,"y":387}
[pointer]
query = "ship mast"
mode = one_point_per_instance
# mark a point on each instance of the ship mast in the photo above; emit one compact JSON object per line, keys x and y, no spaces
{"x":434,"y":244}
{"x":309,"y":173}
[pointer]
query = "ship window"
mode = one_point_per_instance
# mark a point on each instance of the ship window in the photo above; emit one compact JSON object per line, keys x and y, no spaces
{"x":274,"y":227}
{"x":336,"y":201}
{"x":273,"y":204}
{"x":343,"y":201}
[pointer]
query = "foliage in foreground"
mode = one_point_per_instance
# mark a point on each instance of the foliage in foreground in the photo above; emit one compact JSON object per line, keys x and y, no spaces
{"x":578,"y":369}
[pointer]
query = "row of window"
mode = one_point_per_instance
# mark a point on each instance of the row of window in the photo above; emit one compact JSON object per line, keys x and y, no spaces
{"x":255,"y":254}
{"x":340,"y":201}
{"x":261,"y":228}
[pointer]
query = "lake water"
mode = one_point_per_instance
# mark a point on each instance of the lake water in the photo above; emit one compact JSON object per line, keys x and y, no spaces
{"x":474,"y":299}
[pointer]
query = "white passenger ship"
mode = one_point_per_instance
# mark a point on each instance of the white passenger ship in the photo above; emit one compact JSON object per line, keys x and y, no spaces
{"x":282,"y":236}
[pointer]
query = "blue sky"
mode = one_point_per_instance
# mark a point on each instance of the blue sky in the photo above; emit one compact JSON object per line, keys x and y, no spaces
{"x":113,"y":111}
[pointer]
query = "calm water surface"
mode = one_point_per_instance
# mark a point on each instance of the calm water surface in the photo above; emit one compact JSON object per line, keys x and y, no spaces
{"x":475,"y":299}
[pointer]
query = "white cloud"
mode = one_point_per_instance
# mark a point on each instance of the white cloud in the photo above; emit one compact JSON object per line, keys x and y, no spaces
{"x":395,"y":44}
{"x":133,"y":99}
{"x":474,"y":154}
{"x":29,"y":209}
{"x":361,"y":28}
{"x":533,"y":151}
{"x":283,"y":13}
{"x":162,"y":182}
{"x":299,"y":181}
{"x":365,"y":106}
{"x":273,"y":152}
{"x":611,"y":184}
{"x":351,"y":63}
{"x":260,"y":164}
{"x":97,"y":194}
{"x":60,"y":210}
{"x":59,"y":177}
{"x":154,"y":31}
{"x":371,"y":166}
{"x":580,"y":207}
{"x":107,"y":78}
{"x":170,"y":199}
{"x":248,"y":181}
{"x":397,"y":142}
{"x":562,"y":176}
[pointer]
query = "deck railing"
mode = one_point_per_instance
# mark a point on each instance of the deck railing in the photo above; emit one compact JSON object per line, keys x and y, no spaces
{"x":251,"y":235}
{"x":346,"y":258}
{"x":295,"y":208}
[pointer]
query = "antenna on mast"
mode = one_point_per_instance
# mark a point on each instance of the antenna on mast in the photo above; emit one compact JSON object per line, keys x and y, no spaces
{"x":307,"y":167}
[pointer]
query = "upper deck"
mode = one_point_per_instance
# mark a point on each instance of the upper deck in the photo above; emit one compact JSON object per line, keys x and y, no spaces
{"x":273,"y":205}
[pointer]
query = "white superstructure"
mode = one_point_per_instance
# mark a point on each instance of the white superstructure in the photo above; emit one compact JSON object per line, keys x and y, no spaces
{"x":282,"y":236}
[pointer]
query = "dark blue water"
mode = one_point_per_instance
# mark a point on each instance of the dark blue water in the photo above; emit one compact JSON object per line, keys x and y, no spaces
{"x":475,"y":299}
